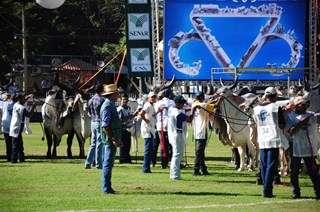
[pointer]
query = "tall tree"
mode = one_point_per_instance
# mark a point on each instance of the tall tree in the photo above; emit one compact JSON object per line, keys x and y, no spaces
{"x":78,"y":27}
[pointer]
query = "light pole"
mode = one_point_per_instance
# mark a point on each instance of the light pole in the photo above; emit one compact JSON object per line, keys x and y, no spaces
{"x":24,"y":50}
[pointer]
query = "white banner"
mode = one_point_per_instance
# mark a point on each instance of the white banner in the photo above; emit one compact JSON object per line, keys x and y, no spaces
{"x":140,"y":60}
{"x":138,"y":26}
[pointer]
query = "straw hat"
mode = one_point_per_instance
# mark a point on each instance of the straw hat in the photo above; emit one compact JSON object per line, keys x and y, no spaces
{"x":109,"y":89}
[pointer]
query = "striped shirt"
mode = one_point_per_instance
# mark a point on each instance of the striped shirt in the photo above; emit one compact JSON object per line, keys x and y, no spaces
{"x":94,"y":107}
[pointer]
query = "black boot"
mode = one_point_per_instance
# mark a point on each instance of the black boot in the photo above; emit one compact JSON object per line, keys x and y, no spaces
{"x":196,"y":172}
{"x":204,"y":171}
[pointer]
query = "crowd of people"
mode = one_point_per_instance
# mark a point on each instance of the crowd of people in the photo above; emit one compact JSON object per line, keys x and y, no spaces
{"x":164,"y":119}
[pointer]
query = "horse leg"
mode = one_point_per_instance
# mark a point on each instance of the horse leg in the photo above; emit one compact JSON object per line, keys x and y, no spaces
{"x":49,"y":141}
{"x":252,"y":157}
{"x":81,"y":146}
{"x":56,"y":142}
{"x":242,"y":157}
{"x":69,"y":143}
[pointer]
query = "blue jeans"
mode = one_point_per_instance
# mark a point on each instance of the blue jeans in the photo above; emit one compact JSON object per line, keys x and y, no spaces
{"x":148,"y":149}
{"x":269,"y":165}
{"x":95,"y":149}
{"x":108,"y":161}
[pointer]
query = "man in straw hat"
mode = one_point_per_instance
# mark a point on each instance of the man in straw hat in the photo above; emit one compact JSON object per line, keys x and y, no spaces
{"x":302,"y":126}
{"x":111,"y":134}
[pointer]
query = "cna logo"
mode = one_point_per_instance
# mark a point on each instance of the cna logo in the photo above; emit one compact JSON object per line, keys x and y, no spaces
{"x":138,"y":26}
{"x":140,"y":55}
{"x":140,"y":60}
{"x":138,"y":21}
{"x":244,"y":1}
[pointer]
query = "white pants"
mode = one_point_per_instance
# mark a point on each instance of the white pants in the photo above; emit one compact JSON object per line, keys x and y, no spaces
{"x":177,"y":153}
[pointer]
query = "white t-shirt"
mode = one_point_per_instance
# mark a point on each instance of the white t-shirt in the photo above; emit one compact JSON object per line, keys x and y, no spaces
{"x":17,"y":120}
{"x":162,"y":117}
{"x":266,"y":118}
{"x":200,"y":123}
{"x":148,"y":129}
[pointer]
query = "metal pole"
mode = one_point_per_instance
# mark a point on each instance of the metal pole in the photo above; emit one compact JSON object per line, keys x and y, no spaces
{"x":140,"y":86}
{"x":288,"y":86}
{"x":24,"y":51}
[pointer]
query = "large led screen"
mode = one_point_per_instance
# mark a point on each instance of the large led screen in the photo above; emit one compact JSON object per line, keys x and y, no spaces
{"x":207,"y":39}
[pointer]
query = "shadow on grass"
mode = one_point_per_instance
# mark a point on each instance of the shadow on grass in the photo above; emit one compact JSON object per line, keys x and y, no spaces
{"x":185,"y":193}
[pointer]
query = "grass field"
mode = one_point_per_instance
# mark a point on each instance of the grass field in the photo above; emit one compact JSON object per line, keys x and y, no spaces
{"x":64,"y":185}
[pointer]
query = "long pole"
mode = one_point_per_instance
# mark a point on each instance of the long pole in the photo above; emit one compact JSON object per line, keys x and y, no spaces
{"x":24,"y":51}
{"x":121,"y":66}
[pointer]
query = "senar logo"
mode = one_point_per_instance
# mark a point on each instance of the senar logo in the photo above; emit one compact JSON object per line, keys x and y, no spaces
{"x":138,"y":21}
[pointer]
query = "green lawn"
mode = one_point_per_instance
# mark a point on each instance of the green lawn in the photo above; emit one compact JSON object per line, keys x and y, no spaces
{"x":64,"y":185}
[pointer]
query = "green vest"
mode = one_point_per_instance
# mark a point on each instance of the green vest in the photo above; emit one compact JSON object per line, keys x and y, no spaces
{"x":115,"y":122}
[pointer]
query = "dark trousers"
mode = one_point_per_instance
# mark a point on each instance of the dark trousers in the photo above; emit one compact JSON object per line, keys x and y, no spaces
{"x":17,"y":149}
{"x":165,"y":149}
{"x":269,"y":165}
{"x":313,"y":172}
{"x":8,"y":140}
{"x":126,"y":146}
{"x":199,"y":153}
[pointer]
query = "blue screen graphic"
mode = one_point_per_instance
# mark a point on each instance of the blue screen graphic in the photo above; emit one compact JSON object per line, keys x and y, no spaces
{"x":207,"y":39}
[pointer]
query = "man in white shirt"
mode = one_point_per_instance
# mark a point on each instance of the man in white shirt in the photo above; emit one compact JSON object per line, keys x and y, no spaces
{"x":16,"y":128}
{"x":269,"y":138}
{"x":161,"y":107}
{"x":148,"y":130}
{"x":200,"y":125}
{"x":6,"y":119}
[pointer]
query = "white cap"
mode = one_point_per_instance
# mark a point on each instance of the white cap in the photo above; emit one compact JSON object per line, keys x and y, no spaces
{"x":300,"y":100}
{"x":151,"y":94}
{"x":270,"y":91}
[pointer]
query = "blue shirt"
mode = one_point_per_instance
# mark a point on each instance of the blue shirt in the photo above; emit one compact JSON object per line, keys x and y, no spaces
{"x":110,"y":119}
{"x":94,"y":107}
{"x":181,"y":117}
